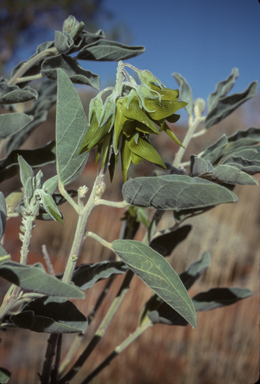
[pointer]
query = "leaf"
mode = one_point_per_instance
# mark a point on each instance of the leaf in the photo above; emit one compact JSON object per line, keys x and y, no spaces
{"x":26,"y":172}
{"x":106,"y":50}
{"x":3,"y":254}
{"x":248,"y":166}
{"x":213,"y":152}
{"x":50,"y":206}
{"x":185,"y":91}
{"x":37,"y":280}
{"x":146,"y":151}
{"x":167,"y":242}
{"x":2,"y":215}
{"x":36,"y":158}
{"x":175,"y":192}
{"x":222,"y":89}
{"x":223,"y":173}
{"x":226,"y":105}
{"x":11,"y":123}
{"x":50,"y":185}
{"x":195,"y":270}
{"x":229,"y":174}
{"x":14,"y":94}
{"x":51,"y":315}
{"x":219,"y":297}
{"x":53,"y":65}
{"x":158,"y":274}
{"x":86,"y":275}
{"x":71,"y":127}
{"x":183,"y":214}
{"x":63,"y":42}
{"x":5,"y":375}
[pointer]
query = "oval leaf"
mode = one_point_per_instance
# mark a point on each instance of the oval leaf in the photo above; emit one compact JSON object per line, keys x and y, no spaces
{"x":71,"y":127}
{"x":37,"y":280}
{"x":175,"y":192}
{"x":185,"y":91}
{"x":158,"y":274}
{"x":11,"y":123}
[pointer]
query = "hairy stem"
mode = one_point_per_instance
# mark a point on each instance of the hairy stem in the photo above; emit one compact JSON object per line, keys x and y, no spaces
{"x":30,"y":63}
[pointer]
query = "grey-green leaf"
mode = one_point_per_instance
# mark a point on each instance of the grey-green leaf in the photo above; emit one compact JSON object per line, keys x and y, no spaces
{"x":86,"y":275}
{"x":219,"y":297}
{"x":26,"y":172}
{"x":11,"y":123}
{"x":228,"y":174}
{"x":36,"y":280}
{"x":158,"y":274}
{"x":106,"y":50}
{"x":51,"y":315}
{"x":15,"y":94}
{"x":195,"y":270}
{"x":50,"y":206}
{"x":226,"y":105}
{"x":71,"y":127}
{"x":74,"y":71}
{"x":175,"y":192}
{"x":199,"y":166}
{"x":50,"y":185}
{"x":5,"y":375}
{"x":36,"y":157}
{"x":213,"y":152}
{"x":63,"y":42}
{"x":222,"y":89}
{"x":185,"y":91}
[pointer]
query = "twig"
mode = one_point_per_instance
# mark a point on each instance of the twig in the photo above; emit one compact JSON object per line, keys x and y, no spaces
{"x":47,"y":260}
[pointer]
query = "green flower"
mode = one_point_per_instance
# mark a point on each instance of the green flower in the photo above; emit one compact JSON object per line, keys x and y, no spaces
{"x":130,"y":114}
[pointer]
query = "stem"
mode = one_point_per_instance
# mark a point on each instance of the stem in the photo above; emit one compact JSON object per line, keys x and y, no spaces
{"x":99,"y":239}
{"x":115,"y":204}
{"x":193,"y":125}
{"x":50,"y":353}
{"x":30,"y":63}
{"x":116,"y":351}
{"x":101,"y":329}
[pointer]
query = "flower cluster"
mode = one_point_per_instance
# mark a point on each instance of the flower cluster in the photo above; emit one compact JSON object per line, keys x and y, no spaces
{"x":130,"y":114}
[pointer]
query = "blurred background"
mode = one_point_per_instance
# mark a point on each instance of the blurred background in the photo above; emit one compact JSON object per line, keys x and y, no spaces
{"x":203,"y":41}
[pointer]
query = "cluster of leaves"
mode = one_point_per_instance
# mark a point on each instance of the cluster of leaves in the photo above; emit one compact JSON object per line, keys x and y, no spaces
{"x":124,"y":123}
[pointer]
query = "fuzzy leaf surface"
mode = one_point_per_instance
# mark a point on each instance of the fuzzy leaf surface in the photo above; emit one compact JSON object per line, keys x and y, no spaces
{"x":219,"y":297}
{"x":51,"y":315}
{"x":175,"y":192}
{"x":2,"y":215}
{"x":185,"y":91}
{"x":71,"y":127}
{"x":195,"y":270}
{"x":15,"y":94}
{"x":86,"y":275}
{"x":158,"y":274}
{"x":11,"y":123}
{"x":35,"y":279}
{"x":106,"y":50}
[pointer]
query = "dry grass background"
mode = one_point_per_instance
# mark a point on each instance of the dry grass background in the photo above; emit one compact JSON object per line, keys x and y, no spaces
{"x":224,"y":346}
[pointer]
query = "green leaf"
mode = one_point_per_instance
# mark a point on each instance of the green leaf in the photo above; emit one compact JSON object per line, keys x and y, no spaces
{"x":199,"y":166}
{"x":50,"y":206}
{"x":86,"y":275}
{"x":2,"y":215}
{"x":51,"y":315}
{"x":226,"y":105}
{"x":50,"y":185}
{"x":14,"y":94}
{"x":71,"y":127}
{"x":36,"y":280}
{"x":52,"y":65}
{"x":63,"y":42}
{"x":175,"y":192}
{"x":35,"y":158}
{"x":167,"y":242}
{"x":26,"y":172}
{"x":158,"y":274}
{"x":5,"y":375}
{"x":4,"y":256}
{"x":222,"y":89}
{"x":11,"y":123}
{"x":219,"y":297}
{"x":248,"y":166}
{"x":185,"y":91}
{"x":195,"y":270}
{"x":106,"y":50}
{"x":146,"y":151}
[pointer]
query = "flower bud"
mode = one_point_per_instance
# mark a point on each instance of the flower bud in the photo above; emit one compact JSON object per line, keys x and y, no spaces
{"x":199,"y":106}
{"x":72,"y":26}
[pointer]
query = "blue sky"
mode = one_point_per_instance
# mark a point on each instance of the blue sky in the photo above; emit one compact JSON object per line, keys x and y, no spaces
{"x":200,"y":39}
